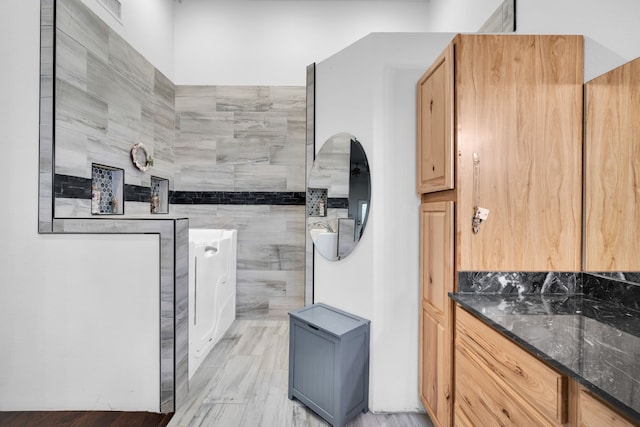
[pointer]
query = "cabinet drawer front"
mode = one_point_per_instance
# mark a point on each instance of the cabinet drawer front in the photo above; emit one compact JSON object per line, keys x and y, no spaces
{"x":529,"y":377}
{"x":594,"y":413}
{"x":486,"y":402}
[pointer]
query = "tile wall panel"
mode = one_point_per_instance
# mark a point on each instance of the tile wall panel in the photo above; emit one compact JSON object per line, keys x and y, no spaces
{"x":271,"y":248}
{"x":108,"y":97}
{"x":231,"y":139}
{"x":248,"y":139}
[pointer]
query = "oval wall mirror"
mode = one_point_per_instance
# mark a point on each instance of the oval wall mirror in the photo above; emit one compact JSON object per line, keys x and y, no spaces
{"x":338,"y":196}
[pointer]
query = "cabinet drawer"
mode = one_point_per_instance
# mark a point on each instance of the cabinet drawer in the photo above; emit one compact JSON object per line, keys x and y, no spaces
{"x":484,"y":400}
{"x":525,"y":374}
{"x":594,"y":413}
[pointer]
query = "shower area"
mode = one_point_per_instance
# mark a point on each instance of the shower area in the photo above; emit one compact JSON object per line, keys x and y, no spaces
{"x":239,"y":161}
{"x":225,"y":157}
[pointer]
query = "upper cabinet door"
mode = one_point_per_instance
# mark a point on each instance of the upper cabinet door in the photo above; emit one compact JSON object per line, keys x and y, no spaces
{"x":612,"y":170}
{"x":435,"y":121}
{"x":519,"y":141}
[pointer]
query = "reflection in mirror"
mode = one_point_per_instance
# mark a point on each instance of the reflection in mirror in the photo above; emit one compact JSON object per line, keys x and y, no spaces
{"x":338,"y":196}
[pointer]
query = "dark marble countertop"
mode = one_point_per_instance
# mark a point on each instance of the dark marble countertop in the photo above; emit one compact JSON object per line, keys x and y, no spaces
{"x":594,"y":342}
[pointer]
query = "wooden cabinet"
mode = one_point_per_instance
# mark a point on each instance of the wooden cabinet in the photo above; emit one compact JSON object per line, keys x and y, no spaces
{"x":500,"y":127}
{"x":592,"y":412}
{"x":435,"y":121}
{"x":518,"y":104}
{"x":499,"y":383}
{"x":436,"y":270}
{"x":612,"y":158}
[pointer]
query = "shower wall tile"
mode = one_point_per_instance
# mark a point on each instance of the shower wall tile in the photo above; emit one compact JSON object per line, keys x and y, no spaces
{"x":243,"y":98}
{"x":262,"y":283}
{"x":260,"y":125}
{"x":72,"y":61}
{"x":79,"y":23}
{"x":242,"y":151}
{"x":204,"y":177}
{"x":288,"y":151}
{"x":260,"y":177}
{"x":105,"y":83}
{"x":108,"y":97}
{"x":72,"y":146}
{"x":181,"y":311}
{"x":131,"y":64}
{"x":80,"y":111}
{"x":271,"y":243}
{"x":195,"y":127}
{"x":163,"y":89}
{"x":257,"y":131}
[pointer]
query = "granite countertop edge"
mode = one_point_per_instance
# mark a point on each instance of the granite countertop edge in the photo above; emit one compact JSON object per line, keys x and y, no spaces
{"x":612,"y":400}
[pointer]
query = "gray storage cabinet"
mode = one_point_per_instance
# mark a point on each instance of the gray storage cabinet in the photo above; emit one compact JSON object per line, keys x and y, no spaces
{"x":329,"y":362}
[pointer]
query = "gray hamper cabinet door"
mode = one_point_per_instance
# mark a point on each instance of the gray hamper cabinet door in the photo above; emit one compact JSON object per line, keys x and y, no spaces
{"x":329,"y":362}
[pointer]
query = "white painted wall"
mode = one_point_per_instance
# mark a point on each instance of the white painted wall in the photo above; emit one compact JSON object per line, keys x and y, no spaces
{"x":368,"y":89}
{"x":78,"y":314}
{"x":270,"y":42}
{"x":459,"y":16}
{"x":148,"y":26}
{"x":610,"y":27}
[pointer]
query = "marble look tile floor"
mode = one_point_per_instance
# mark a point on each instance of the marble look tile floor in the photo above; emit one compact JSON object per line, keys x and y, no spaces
{"x":244,"y":382}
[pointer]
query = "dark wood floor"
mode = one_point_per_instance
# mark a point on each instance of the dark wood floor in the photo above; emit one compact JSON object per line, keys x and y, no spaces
{"x":83,"y":419}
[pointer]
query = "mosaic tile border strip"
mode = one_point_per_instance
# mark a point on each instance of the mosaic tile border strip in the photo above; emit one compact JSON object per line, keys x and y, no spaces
{"x":237,"y":198}
{"x":73,"y":187}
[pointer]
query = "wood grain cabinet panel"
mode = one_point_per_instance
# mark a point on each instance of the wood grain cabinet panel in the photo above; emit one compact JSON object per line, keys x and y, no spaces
{"x":435,"y":136}
{"x":516,"y":102}
{"x":594,"y":413}
{"x":530,"y":379}
{"x":519,"y":108}
{"x":436,"y":273}
{"x":612,"y":160}
{"x":484,"y":398}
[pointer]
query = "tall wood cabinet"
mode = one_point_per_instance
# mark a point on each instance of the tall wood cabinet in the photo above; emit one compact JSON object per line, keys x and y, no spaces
{"x":499,"y":127}
{"x":436,"y":278}
{"x":612,"y":157}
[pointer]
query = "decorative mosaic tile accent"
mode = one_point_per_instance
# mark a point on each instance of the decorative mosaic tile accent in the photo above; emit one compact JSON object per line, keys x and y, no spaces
{"x":317,"y":202}
{"x":237,"y":198}
{"x":159,"y":202}
{"x":107,"y":188}
{"x":72,"y":187}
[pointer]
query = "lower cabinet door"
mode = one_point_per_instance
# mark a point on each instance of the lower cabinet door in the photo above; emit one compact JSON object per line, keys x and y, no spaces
{"x":593,"y":413}
{"x":485,"y":401}
{"x":435,"y":370}
{"x":436,"y":325}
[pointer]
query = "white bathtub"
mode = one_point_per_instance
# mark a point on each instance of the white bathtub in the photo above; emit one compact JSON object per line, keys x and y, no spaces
{"x":212,"y":290}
